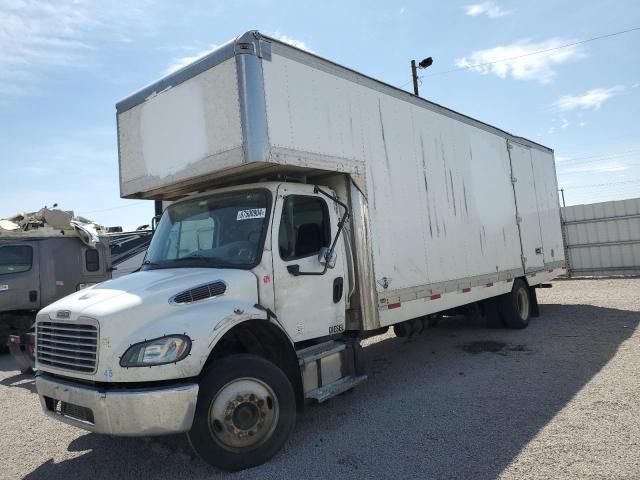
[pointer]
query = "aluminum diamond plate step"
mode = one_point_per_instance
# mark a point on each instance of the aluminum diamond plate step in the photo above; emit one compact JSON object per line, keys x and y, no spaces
{"x":336,"y":388}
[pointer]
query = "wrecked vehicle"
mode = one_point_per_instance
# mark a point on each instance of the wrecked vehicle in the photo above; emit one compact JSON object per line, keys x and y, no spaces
{"x":313,"y":207}
{"x":47,"y":255}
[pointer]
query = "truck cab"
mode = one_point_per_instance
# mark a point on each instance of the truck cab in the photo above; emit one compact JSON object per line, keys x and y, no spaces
{"x":245,"y":284}
{"x":262,"y":231}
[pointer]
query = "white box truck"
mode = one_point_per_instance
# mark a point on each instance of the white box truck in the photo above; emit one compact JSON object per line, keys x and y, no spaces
{"x":313,"y":206}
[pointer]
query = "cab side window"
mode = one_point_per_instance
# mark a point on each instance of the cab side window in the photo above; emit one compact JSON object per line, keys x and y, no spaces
{"x":304,"y":227}
{"x":15,"y":259}
{"x":92,"y":260}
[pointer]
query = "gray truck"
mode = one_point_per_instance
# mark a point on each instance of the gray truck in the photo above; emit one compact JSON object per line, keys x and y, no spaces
{"x":41,"y":265}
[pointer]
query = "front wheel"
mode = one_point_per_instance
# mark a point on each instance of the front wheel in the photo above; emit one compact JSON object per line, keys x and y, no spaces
{"x":515,"y":307}
{"x":246,"y":410}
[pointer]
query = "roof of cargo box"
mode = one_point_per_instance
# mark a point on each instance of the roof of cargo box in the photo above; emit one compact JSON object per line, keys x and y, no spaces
{"x":253,"y":38}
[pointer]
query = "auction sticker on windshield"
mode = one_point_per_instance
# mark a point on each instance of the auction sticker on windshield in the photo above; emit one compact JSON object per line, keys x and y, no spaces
{"x":251,"y":213}
{"x":4,"y":287}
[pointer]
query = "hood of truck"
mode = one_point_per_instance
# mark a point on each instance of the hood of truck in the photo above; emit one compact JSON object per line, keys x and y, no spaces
{"x":139,"y":307}
{"x":148,"y":287}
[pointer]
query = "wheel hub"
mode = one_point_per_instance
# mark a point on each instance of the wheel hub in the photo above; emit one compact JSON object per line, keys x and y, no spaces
{"x":246,"y":416}
{"x":523,"y":303}
{"x":243,"y":414}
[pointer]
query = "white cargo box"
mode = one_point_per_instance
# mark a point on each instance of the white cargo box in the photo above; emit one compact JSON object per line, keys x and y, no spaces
{"x":450,"y":203}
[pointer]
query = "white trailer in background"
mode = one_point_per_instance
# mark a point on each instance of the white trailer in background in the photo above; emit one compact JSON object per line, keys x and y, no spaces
{"x":313,"y":207}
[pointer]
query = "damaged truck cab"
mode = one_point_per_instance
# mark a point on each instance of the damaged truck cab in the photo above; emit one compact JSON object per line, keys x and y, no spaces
{"x":312,"y":207}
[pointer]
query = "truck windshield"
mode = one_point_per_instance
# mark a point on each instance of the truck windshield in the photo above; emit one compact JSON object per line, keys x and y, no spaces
{"x":225,"y":230}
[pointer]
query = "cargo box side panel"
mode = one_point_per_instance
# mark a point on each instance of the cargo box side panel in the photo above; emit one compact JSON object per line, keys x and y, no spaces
{"x":313,"y":116}
{"x":439,"y":193}
{"x":186,"y":132}
{"x":441,"y":196}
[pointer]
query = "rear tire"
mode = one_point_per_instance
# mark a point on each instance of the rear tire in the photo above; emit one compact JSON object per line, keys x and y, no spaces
{"x":515,"y":307}
{"x":245,"y":412}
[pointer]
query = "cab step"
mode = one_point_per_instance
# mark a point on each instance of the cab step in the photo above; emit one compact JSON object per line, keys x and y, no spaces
{"x":336,"y":388}
{"x":315,"y":352}
{"x":330,"y":368}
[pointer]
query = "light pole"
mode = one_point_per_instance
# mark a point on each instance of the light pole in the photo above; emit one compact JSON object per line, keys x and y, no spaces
{"x":427,"y":62}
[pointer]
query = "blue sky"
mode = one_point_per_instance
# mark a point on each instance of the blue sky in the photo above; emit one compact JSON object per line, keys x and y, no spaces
{"x":64,"y":64}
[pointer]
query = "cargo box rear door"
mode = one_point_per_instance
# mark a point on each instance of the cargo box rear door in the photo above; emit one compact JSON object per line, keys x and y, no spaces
{"x":526,"y":206}
{"x":548,"y":206}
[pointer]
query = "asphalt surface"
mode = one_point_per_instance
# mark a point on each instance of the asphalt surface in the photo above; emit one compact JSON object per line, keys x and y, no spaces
{"x":560,"y":399}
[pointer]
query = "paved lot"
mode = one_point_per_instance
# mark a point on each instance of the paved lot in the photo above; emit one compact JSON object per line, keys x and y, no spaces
{"x":560,"y":399}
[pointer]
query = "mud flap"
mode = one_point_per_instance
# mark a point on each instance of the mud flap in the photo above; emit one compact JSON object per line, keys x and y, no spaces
{"x":491,"y":313}
{"x":535,"y":309}
{"x":21,"y":348}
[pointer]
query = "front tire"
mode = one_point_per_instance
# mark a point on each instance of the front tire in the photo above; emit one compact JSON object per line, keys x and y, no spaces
{"x":515,"y":307}
{"x":245,"y":412}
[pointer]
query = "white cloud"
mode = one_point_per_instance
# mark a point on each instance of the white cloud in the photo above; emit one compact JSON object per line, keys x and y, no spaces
{"x":523,"y":60}
{"x":562,"y":158}
{"x":607,"y":167}
{"x":593,"y":99}
{"x":179,"y":62}
{"x":490,"y":9}
{"x":582,"y":124}
{"x":292,"y":41}
{"x":402,"y":10}
{"x":40,"y":35}
{"x":565,"y":123}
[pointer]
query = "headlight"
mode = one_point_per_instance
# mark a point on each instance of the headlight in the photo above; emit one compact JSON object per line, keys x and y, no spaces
{"x":169,"y":349}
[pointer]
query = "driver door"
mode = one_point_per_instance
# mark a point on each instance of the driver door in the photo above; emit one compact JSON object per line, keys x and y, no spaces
{"x":19,"y":276}
{"x":308,"y":306}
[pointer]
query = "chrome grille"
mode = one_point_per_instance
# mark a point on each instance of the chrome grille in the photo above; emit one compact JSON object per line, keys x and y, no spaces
{"x":67,"y":346}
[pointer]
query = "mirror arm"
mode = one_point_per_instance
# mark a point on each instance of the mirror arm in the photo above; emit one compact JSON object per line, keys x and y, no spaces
{"x":343,"y":220}
{"x":154,"y":222}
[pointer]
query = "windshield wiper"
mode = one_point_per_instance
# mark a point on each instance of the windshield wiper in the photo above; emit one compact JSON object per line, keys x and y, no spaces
{"x":188,"y":257}
{"x":147,"y":263}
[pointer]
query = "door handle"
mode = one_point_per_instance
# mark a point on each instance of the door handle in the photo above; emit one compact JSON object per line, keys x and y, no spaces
{"x":338,"y":287}
{"x":293,"y":270}
{"x":33,"y":295}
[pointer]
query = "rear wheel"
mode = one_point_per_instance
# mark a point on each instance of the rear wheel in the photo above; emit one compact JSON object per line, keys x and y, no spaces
{"x":246,"y":410}
{"x":515,"y":307}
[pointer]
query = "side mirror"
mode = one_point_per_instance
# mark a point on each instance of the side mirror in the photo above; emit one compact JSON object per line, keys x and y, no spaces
{"x":327,"y":257}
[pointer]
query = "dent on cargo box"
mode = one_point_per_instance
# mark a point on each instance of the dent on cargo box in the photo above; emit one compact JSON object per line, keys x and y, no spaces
{"x":166,"y":138}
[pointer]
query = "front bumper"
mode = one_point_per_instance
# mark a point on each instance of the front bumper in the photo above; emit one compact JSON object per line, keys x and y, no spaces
{"x":130,"y":412}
